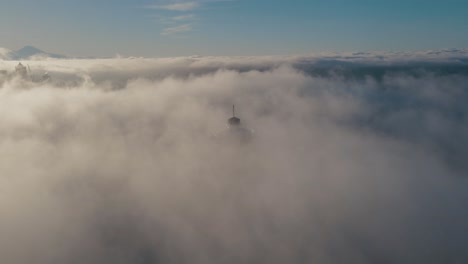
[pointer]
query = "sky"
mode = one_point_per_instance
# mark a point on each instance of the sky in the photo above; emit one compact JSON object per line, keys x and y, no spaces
{"x":163,"y":28}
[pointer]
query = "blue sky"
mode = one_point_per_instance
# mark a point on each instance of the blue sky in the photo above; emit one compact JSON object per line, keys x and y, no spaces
{"x":165,"y":28}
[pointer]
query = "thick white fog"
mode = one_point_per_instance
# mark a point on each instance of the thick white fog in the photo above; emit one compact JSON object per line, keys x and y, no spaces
{"x":352,"y":160}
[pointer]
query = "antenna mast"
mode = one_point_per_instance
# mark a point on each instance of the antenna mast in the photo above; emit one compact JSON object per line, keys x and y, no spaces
{"x":233,"y":121}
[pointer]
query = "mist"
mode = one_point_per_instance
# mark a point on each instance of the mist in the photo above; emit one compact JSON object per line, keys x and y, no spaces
{"x":353,"y":159}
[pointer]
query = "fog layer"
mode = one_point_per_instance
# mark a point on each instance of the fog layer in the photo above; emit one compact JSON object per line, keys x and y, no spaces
{"x":120,"y":161}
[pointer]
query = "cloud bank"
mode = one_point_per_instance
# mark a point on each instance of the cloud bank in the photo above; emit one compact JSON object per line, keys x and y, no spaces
{"x":355,"y":159}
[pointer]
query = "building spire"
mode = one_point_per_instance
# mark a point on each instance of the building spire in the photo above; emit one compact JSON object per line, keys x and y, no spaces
{"x":234,"y":121}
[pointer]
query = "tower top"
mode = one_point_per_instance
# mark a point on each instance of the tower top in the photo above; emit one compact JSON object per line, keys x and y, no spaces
{"x":234,"y":121}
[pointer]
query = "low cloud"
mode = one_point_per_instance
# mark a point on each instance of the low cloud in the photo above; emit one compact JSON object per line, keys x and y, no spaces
{"x":121,"y":160}
{"x":4,"y":53}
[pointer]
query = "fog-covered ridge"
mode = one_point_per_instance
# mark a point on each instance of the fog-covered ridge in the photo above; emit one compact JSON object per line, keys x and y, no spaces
{"x":356,"y":158}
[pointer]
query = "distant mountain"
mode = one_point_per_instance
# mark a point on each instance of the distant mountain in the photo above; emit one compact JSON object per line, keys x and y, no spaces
{"x":27,"y":52}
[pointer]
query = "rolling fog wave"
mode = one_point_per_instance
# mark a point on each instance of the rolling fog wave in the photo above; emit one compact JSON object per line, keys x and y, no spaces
{"x":118,"y":161}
